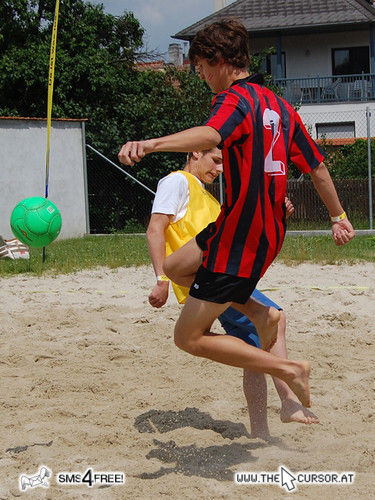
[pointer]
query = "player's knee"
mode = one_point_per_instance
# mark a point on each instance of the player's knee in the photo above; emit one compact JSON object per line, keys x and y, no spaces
{"x":186,"y":344}
{"x":168,"y":268}
{"x":180,"y":341}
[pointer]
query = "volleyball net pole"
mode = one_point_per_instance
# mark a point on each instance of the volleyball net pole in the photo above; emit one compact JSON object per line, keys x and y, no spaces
{"x":51,"y":78}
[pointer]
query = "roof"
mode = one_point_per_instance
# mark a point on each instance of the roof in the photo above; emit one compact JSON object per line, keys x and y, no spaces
{"x":150,"y":65}
{"x":339,"y":141}
{"x":43,"y":119}
{"x":269,"y":16}
{"x":161,"y":65}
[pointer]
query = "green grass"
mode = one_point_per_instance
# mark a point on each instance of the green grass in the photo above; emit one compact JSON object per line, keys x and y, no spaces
{"x":69,"y":256}
{"x":321,"y":249}
{"x":300,"y":225}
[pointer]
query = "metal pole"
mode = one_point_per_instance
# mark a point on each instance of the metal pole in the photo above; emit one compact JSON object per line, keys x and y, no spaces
{"x":121,"y":170}
{"x":221,"y":192}
{"x":372,"y":60}
{"x":368,"y":115}
{"x":85,"y":183}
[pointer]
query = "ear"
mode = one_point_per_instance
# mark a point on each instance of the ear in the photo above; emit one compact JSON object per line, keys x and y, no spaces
{"x":196,"y":155}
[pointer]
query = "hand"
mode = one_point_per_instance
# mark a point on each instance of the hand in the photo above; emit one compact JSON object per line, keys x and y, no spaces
{"x":134,"y":151}
{"x":342,"y":232}
{"x":159,"y":295}
{"x":289,"y":207}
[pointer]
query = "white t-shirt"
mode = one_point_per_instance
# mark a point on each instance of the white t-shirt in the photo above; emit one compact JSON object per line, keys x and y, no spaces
{"x":172,"y":196}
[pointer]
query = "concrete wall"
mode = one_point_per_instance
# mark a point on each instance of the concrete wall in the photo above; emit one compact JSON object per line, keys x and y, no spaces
{"x":22,"y":170}
{"x":310,"y":55}
{"x":312,"y":114}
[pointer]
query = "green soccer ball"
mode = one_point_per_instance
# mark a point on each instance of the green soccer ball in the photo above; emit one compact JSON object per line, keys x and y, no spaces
{"x":36,"y":221}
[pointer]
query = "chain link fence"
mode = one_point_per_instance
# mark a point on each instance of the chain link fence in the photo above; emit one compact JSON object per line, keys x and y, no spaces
{"x":344,"y":133}
{"x":118,"y":202}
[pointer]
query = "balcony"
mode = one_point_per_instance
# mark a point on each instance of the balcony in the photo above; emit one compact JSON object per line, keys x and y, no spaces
{"x":328,"y":89}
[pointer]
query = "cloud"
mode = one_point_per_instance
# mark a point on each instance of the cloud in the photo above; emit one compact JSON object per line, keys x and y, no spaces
{"x":161,"y":18}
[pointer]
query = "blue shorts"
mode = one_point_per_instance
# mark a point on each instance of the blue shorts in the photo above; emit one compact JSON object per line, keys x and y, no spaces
{"x":238,"y":325}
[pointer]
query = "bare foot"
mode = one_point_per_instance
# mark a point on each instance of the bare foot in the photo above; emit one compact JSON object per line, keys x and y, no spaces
{"x":293,"y":411}
{"x":298,"y":381}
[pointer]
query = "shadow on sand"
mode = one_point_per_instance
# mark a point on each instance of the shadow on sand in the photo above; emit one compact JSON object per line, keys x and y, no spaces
{"x":210,"y":462}
{"x":165,"y":421}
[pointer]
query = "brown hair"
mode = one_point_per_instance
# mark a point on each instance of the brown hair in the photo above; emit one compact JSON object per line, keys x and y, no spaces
{"x":227,"y":39}
{"x":189,"y":156}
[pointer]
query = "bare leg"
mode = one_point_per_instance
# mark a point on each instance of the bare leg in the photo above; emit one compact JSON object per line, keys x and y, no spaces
{"x":255,"y":389}
{"x":291,"y":409}
{"x":182,"y":265}
{"x":265,"y":320}
{"x":192,"y":334}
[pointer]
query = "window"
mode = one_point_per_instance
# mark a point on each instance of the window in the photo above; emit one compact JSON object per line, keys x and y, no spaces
{"x":339,"y":130}
{"x":350,"y":61}
{"x":269,"y":65}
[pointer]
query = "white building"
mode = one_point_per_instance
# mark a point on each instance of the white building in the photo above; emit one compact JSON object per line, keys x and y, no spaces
{"x":324,"y":57}
{"x":23,"y":144}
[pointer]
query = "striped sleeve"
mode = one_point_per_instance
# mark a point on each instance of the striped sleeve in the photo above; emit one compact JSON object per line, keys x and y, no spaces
{"x":227,"y":114}
{"x":303,"y":151}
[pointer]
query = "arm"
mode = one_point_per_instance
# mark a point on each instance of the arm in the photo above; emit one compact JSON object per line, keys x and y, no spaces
{"x":192,"y":139}
{"x":342,"y":231}
{"x":306,"y":155}
{"x":156,"y":247}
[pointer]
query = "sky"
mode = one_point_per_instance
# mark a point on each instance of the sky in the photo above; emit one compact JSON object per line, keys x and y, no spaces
{"x":161,"y":18}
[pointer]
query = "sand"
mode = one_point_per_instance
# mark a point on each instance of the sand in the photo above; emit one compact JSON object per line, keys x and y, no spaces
{"x":91,"y":378}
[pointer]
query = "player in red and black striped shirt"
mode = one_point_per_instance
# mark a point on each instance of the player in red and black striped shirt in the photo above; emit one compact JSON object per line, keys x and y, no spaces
{"x":258,"y":132}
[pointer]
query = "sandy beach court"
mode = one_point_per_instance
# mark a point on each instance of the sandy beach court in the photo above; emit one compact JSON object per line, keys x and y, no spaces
{"x":91,"y":378}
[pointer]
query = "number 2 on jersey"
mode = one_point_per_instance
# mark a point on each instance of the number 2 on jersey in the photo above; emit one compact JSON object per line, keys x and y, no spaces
{"x":271,"y":121}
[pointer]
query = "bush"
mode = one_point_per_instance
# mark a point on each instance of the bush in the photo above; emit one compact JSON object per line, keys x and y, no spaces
{"x":349,"y":161}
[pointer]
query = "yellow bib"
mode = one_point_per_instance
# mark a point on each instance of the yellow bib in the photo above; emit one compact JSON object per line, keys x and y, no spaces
{"x":202,"y":209}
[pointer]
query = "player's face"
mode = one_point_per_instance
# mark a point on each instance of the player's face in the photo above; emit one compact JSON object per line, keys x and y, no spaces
{"x":214,"y":76}
{"x":210,"y":166}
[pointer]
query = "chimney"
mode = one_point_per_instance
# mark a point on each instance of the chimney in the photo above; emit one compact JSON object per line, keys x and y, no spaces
{"x":175,"y":54}
{"x":219,"y":4}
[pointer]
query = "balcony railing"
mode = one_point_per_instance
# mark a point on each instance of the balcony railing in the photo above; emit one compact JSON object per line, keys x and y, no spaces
{"x":325,"y":89}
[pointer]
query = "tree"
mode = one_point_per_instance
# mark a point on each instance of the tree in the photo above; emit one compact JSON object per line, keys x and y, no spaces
{"x":94,"y":60}
{"x":96,"y":78}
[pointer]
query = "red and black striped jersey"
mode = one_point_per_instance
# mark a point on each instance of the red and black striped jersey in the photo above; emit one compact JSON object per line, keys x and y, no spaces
{"x":260,"y":133}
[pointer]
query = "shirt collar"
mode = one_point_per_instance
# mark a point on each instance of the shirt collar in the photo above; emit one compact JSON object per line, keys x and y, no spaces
{"x":255,"y":78}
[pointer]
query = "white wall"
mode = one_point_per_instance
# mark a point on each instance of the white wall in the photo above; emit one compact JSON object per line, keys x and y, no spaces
{"x":339,"y":113}
{"x":22,"y":170}
{"x":311,"y":55}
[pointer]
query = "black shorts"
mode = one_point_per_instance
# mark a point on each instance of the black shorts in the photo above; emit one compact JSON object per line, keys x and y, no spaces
{"x":221,"y":288}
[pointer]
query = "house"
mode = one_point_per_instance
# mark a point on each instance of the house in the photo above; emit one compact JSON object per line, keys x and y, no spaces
{"x":177,"y":57}
{"x":324,"y":58}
